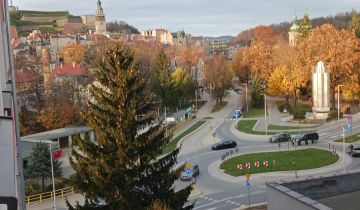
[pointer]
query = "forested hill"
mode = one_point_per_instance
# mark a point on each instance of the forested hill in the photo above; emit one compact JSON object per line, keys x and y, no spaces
{"x":341,"y":20}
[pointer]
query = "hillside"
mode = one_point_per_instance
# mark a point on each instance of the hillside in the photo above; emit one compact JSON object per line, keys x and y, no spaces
{"x":49,"y":21}
{"x":340,"y":21}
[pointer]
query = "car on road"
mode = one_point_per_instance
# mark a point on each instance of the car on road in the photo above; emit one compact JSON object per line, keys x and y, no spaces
{"x":280,"y":137}
{"x":353,"y":150}
{"x":224,"y":145}
{"x":189,"y":173}
{"x":237,"y":114}
{"x":305,"y":137}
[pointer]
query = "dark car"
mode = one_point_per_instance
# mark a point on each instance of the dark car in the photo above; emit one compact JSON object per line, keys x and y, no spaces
{"x":280,"y":137}
{"x":224,"y":145}
{"x":305,"y":137}
{"x":353,"y":150}
{"x":189,"y":173}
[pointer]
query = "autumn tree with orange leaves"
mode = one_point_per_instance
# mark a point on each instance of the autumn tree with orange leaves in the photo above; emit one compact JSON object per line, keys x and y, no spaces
{"x":218,"y":76}
{"x":338,"y":49}
{"x":73,"y":53}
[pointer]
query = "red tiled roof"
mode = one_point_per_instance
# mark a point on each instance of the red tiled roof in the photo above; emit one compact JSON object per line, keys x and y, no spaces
{"x":68,"y":70}
{"x":27,"y":76}
{"x":73,"y":28}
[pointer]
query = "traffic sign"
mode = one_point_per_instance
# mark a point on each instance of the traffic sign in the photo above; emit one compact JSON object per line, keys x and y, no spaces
{"x":239,"y":166}
{"x":247,"y":165}
{"x":265,"y":163}
{"x":248,"y":184}
{"x":349,"y":127}
{"x":256,"y":164}
{"x":349,"y":117}
{"x":187,"y":164}
{"x":247,"y":175}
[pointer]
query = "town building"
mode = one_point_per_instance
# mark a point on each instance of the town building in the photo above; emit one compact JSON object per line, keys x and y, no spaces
{"x":100,"y":22}
{"x":225,"y":47}
{"x":294,"y":33}
{"x":161,"y":35}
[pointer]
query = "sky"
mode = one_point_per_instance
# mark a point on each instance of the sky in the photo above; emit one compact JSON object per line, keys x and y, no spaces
{"x":197,"y":17}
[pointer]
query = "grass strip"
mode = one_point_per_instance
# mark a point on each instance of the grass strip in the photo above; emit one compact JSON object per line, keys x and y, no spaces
{"x":350,"y":139}
{"x":279,"y":161}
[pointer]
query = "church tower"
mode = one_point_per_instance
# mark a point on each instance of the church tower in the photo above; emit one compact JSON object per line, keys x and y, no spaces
{"x":100,"y":23}
{"x":294,"y":33}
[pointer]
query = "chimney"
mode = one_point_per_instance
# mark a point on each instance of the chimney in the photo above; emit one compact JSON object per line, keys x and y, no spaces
{"x":73,"y":64}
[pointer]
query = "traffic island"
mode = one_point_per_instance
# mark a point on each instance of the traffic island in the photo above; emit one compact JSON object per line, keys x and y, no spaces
{"x":350,"y":139}
{"x":278,"y":161}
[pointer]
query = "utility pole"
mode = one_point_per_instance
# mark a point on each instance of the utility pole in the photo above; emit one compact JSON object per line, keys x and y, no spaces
{"x":11,"y":179}
{"x":343,"y":128}
{"x":52,"y":175}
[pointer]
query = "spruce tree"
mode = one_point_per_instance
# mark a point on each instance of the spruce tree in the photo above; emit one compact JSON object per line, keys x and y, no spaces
{"x":355,"y":23}
{"x":305,"y":26}
{"x":163,"y":85}
{"x":123,"y":167}
{"x":40,"y":164}
{"x":257,"y":93}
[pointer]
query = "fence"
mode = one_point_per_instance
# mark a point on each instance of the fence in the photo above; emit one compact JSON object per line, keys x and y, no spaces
{"x":39,"y":198}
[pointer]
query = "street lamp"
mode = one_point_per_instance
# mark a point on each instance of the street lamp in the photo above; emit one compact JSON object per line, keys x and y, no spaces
{"x":343,"y":128}
{"x":265,"y":110}
{"x":52,"y":170}
{"x":246,"y":97}
{"x":338,"y":95}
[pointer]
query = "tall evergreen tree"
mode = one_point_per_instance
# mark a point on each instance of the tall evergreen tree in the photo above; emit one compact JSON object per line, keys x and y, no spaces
{"x":163,"y":85}
{"x":355,"y":23}
{"x":305,"y":26}
{"x":257,"y":93}
{"x":123,"y":166}
{"x":40,"y":164}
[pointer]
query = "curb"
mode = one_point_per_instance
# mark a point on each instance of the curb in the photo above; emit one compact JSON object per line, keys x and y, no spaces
{"x":253,"y":205}
{"x":281,"y":173}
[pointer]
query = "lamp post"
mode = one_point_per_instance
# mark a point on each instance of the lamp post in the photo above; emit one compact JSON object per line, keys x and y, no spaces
{"x":52,"y":175}
{"x":338,"y":95}
{"x":343,"y":148}
{"x":265,"y":109}
{"x":246,"y":97}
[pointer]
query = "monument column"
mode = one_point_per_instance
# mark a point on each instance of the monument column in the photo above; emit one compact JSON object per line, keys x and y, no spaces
{"x":321,"y":91}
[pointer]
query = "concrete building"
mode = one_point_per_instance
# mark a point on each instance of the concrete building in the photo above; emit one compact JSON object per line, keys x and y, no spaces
{"x":11,"y":181}
{"x":100,"y":22}
{"x":161,"y":35}
{"x":89,"y":21}
{"x":333,"y":191}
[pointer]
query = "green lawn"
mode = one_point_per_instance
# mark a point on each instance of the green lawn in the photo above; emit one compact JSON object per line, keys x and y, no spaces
{"x":350,"y":139}
{"x":172,"y":144}
{"x":247,"y":126}
{"x":284,"y":127}
{"x":254,"y":112}
{"x":284,"y":161}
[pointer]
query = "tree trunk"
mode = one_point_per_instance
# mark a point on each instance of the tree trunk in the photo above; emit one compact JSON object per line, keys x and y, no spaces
{"x":287,"y":98}
{"x":42,"y":184}
{"x":295,"y":99}
{"x":332,"y":97}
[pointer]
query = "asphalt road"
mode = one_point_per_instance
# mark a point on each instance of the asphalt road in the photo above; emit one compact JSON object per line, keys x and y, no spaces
{"x":224,"y":192}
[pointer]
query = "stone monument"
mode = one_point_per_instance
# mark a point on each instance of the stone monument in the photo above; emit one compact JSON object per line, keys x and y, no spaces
{"x":321,"y":91}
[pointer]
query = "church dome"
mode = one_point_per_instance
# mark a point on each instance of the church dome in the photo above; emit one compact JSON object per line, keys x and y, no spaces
{"x":295,"y":26}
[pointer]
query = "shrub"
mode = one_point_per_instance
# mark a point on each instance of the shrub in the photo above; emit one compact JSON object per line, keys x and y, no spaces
{"x":345,"y":109}
{"x":333,"y":114}
{"x":32,"y":188}
{"x":283,"y":106}
{"x":298,"y":112}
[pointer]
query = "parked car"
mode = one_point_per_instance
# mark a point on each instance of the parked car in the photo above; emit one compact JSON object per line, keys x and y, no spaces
{"x":280,"y":137}
{"x":189,"y":173}
{"x":305,"y":137}
{"x":224,"y":145}
{"x":353,"y":150}
{"x":237,"y":113}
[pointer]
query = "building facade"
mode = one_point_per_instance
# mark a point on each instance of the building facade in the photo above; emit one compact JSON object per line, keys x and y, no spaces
{"x":294,"y":33}
{"x":100,"y":22}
